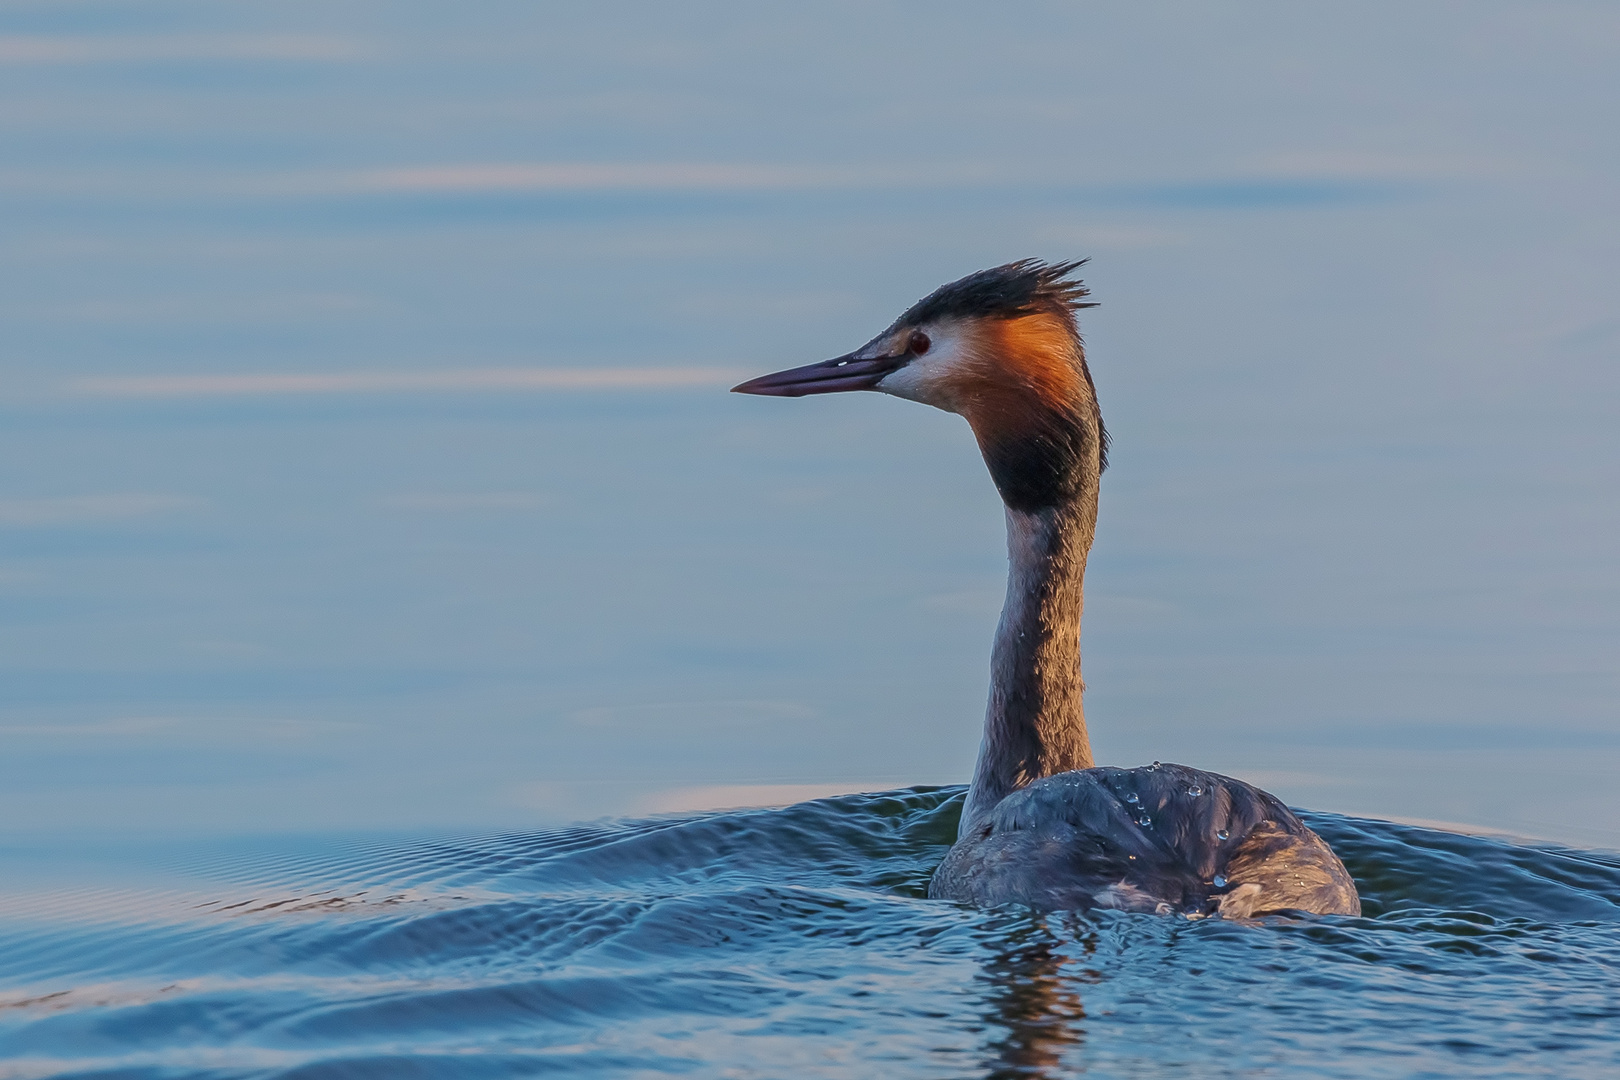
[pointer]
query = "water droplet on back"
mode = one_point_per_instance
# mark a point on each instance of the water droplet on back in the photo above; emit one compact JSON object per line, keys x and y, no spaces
{"x":1133,"y":798}
{"x":1195,"y":791}
{"x":1222,"y":835}
{"x":1220,"y":881}
{"x":1145,"y":821}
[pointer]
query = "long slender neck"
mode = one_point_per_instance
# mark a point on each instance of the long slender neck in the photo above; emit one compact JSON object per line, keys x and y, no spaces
{"x":1035,"y":725}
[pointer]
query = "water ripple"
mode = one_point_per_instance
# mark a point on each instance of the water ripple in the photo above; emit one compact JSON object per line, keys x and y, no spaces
{"x":798,"y":942}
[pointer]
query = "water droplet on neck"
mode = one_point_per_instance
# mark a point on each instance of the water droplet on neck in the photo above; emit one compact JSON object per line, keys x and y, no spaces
{"x":1155,"y":765}
{"x":1145,"y":821}
{"x":1195,"y":791}
{"x":1220,"y":881}
{"x":1222,"y":835}
{"x":1133,"y":798}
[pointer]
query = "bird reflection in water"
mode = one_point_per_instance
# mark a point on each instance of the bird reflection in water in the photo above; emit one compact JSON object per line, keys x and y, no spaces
{"x":1034,"y":1002}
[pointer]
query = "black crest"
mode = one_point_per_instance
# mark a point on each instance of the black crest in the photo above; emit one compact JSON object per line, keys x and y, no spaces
{"x":1020,"y":288}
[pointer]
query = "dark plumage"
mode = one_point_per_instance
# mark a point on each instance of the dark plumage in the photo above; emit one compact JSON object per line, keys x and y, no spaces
{"x":1039,"y":466}
{"x":1162,"y":838}
{"x":1004,"y":292}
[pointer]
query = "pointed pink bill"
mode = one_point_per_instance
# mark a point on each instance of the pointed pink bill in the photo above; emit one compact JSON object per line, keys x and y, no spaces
{"x":827,"y":377}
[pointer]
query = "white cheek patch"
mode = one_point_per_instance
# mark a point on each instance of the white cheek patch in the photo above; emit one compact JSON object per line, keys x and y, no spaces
{"x":929,"y":378}
{"x":911,"y":382}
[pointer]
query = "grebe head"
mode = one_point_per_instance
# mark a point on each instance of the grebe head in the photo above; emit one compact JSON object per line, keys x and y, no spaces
{"x":999,"y":347}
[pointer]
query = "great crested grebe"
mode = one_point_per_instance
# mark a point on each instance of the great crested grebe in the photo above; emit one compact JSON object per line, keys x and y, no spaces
{"x":1041,"y":825}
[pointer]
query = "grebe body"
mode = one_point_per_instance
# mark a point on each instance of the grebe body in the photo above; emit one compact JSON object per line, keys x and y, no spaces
{"x":1161,"y":838}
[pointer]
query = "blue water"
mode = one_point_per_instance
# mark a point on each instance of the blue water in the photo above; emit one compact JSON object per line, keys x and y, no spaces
{"x":1356,"y":349}
{"x":798,"y":943}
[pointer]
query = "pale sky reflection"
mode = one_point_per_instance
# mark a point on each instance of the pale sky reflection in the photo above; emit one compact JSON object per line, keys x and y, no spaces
{"x":365,"y":415}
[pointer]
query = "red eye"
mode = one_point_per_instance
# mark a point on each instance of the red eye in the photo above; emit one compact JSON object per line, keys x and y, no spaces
{"x":918,"y":344}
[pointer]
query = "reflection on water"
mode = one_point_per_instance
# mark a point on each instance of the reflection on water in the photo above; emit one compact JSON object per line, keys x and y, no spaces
{"x":363,"y":424}
{"x":1034,"y":1003}
{"x":798,"y":942}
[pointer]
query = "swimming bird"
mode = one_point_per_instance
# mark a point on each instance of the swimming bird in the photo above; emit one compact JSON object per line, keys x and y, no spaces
{"x":1042,"y":825}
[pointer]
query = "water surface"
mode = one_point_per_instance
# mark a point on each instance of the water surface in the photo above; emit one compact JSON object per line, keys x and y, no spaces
{"x":798,"y":942}
{"x":366,"y":468}
{"x":276,"y":547}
